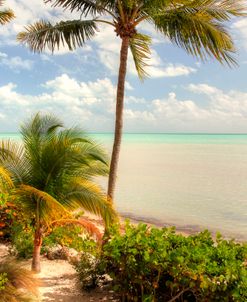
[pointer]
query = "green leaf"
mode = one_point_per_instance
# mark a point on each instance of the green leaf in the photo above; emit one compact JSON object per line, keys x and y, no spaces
{"x":44,"y":35}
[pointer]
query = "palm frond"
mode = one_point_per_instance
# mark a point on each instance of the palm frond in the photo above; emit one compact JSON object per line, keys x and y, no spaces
{"x":6,"y":15}
{"x":49,"y":208}
{"x":10,"y":150}
{"x":139,"y":46}
{"x":21,"y":284}
{"x":44,"y":35}
{"x":86,"y":7}
{"x":71,"y":154}
{"x":89,"y":196}
{"x":40,"y":126}
{"x":196,"y":29}
{"x":90,"y":227}
{"x":13,"y":161}
{"x":5,"y":179}
{"x":221,"y":9}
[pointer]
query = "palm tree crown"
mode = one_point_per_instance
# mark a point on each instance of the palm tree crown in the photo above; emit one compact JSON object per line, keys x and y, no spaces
{"x":5,"y":15}
{"x":194,"y":25}
{"x":52,"y":173}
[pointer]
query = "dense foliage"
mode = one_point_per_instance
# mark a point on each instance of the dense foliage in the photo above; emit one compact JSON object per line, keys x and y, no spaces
{"x":11,"y":215}
{"x":89,"y":268}
{"x":150,"y":264}
{"x":71,"y":236}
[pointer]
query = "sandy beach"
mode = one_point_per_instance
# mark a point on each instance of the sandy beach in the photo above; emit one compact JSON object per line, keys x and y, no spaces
{"x":58,"y":282}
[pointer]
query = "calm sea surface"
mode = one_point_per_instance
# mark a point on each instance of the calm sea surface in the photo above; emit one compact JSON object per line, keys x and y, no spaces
{"x":192,"y":181}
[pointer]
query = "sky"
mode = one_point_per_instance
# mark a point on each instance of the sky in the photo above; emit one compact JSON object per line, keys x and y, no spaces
{"x":182,"y":94}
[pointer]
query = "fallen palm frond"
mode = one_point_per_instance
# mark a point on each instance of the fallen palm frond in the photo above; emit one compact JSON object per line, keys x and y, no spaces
{"x":89,"y":226}
{"x":17,"y":283}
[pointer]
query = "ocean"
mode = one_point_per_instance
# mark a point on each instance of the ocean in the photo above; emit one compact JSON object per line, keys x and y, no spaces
{"x":192,"y":181}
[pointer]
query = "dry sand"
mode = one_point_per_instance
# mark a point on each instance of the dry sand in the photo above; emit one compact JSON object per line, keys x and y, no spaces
{"x":59,"y":283}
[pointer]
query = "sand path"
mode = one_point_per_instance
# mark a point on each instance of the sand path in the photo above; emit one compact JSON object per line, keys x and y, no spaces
{"x":59,"y":282}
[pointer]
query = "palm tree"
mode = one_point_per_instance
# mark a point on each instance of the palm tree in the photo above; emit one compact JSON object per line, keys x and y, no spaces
{"x":5,"y":15}
{"x":52,"y":172}
{"x":194,"y":25}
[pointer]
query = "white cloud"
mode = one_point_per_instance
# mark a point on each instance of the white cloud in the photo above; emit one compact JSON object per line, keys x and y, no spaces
{"x":106,"y":44}
{"x":15,"y":63}
{"x":91,"y":104}
{"x":172,"y":70}
{"x":28,"y":12}
{"x":233,"y":103}
{"x":240,"y":30}
{"x":108,"y":51}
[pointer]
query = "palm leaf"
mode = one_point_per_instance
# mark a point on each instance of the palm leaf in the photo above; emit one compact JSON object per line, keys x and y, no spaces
{"x":91,"y":7}
{"x":21,"y":285}
{"x":5,"y":179}
{"x":6,"y":15}
{"x":139,"y":46}
{"x":49,"y":208}
{"x":43,"y":34}
{"x":89,"y":196}
{"x":40,"y":126}
{"x":90,"y":227}
{"x":10,"y":150}
{"x":197,"y":31}
{"x":12,"y":159}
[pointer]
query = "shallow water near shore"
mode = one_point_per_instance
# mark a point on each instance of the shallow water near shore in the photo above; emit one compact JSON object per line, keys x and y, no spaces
{"x":193,"y":181}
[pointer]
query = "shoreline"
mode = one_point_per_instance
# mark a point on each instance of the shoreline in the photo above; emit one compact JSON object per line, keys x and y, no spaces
{"x":185,"y":230}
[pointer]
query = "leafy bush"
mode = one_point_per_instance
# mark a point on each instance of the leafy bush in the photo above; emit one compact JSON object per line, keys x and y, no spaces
{"x":8,"y":214}
{"x":69,"y":236}
{"x":17,"y":284}
{"x":3,"y":280}
{"x":150,"y":264}
{"x":21,"y":241}
{"x":89,"y":266}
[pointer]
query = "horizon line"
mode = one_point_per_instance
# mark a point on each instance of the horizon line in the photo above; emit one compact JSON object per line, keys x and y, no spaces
{"x":153,"y":133}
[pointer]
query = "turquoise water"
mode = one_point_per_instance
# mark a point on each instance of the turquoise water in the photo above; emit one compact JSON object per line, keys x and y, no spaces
{"x":161,"y":138}
{"x":191,"y":180}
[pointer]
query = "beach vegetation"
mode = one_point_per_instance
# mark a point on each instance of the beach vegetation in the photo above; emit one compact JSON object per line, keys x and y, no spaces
{"x":151,"y":264}
{"x":197,"y":26}
{"x":51,"y":174}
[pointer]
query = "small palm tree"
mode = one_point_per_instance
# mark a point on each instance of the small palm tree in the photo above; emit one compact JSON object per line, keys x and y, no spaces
{"x":194,"y":25}
{"x":5,"y":15}
{"x":52,"y":172}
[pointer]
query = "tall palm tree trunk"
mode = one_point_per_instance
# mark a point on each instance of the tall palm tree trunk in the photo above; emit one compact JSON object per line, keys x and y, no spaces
{"x":119,"y":118}
{"x":36,"y":250}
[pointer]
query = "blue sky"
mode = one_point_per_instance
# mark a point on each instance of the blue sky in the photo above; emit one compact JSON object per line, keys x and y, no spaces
{"x":181,"y":95}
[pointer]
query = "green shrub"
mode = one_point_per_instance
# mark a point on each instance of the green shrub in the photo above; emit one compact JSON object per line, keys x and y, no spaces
{"x":150,"y":264}
{"x":3,"y":281}
{"x":88,"y":268}
{"x":69,"y":236}
{"x":65,"y":236}
{"x":21,"y":241}
{"x":8,"y":214}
